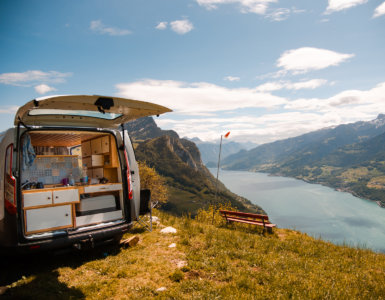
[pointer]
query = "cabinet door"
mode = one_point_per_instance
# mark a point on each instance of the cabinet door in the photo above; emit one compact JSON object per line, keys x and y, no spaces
{"x":37,"y":198}
{"x":97,"y":160}
{"x":105,"y":144}
{"x":48,"y":218}
{"x":96,"y":146}
{"x":86,"y":148}
{"x":65,"y":196}
{"x":97,"y":173}
{"x":87,"y":161}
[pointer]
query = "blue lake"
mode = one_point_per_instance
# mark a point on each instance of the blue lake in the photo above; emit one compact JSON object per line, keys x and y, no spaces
{"x":317,"y":210}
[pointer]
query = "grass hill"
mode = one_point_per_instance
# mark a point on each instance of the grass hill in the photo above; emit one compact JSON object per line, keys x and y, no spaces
{"x":191,"y":185}
{"x":209,"y":262}
{"x":348,"y":157}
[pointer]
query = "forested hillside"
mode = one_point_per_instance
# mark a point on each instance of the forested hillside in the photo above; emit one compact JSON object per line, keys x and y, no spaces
{"x":348,"y":157}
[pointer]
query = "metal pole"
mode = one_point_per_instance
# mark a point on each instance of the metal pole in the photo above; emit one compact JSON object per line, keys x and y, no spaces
{"x":216,"y":183}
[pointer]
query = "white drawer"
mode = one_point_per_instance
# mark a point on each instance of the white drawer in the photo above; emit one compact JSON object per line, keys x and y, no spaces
{"x":65,"y":196}
{"x":103,"y":188}
{"x":37,"y":198}
{"x":40,"y":219}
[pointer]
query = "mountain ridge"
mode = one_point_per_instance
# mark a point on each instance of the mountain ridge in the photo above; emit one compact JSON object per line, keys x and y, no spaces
{"x":191,"y":184}
{"x":347,"y":157}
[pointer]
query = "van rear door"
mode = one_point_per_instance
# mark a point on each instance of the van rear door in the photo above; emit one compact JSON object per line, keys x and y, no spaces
{"x":85,"y":111}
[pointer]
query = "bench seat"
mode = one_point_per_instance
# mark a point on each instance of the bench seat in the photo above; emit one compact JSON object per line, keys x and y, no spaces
{"x":247,"y":218}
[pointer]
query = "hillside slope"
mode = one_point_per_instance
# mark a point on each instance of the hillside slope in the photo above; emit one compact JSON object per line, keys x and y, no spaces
{"x":208,"y":262}
{"x":349,"y":157}
{"x":190,"y":183}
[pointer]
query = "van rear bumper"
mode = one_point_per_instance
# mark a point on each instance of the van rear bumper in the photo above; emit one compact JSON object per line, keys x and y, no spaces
{"x":82,"y":240}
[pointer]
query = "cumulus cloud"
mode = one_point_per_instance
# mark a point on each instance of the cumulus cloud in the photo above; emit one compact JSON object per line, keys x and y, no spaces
{"x":338,"y":5}
{"x":246,"y":6}
{"x":211,"y":109}
{"x":379,"y":11}
{"x":8,"y":109}
{"x":181,"y":26}
{"x":232,"y":78}
{"x":43,"y":89}
{"x":279,"y":14}
{"x":307,"y":59}
{"x":100,"y":28}
{"x":162,"y":25}
{"x":279,"y":85}
{"x":33,"y":77}
{"x":197,"y":97}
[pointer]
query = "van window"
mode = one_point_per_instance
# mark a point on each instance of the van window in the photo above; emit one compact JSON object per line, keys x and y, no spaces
{"x":83,"y":113}
{"x":9,"y":182}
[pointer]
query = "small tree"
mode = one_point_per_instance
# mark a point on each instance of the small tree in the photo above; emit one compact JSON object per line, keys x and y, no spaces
{"x":150,"y":179}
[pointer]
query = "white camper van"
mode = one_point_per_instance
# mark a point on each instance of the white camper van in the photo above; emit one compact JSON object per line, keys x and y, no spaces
{"x":68,"y":173}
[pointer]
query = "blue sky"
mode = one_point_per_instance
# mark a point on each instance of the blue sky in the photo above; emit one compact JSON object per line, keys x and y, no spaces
{"x":262,"y":69}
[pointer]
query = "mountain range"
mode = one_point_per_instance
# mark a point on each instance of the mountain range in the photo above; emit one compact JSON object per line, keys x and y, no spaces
{"x":210,"y":151}
{"x":191,"y":185}
{"x":348,"y":157}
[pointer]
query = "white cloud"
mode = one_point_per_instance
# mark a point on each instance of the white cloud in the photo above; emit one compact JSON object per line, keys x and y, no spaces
{"x":197,"y":97}
{"x":207,"y":110}
{"x":43,"y":89}
{"x":33,"y":77}
{"x":9,"y":109}
{"x":181,"y":26}
{"x":379,"y":11}
{"x":279,"y":14}
{"x":162,"y":25}
{"x":307,"y":59}
{"x":279,"y":85}
{"x":99,"y":27}
{"x":247,"y":6}
{"x":232,"y":78}
{"x":338,"y":5}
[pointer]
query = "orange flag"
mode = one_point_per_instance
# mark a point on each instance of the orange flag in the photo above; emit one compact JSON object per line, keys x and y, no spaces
{"x":227,"y":134}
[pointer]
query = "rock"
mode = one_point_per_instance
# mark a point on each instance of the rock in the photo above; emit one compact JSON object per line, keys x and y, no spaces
{"x":161,"y":289}
{"x":173,"y":245}
{"x":180,"y":264}
{"x":130,"y":242}
{"x":168,"y":230}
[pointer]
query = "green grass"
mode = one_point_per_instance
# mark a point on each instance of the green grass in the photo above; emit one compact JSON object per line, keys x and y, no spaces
{"x":218,"y":262}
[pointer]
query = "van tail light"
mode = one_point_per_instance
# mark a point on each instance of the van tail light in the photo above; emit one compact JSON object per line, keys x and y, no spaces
{"x":129,"y":182}
{"x":9,"y":183}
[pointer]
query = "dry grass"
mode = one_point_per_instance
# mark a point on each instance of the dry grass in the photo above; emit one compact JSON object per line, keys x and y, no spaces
{"x":223,"y":262}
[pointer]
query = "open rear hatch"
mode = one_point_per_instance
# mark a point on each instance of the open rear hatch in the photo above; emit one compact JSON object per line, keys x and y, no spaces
{"x":73,"y":182}
{"x":84,"y":111}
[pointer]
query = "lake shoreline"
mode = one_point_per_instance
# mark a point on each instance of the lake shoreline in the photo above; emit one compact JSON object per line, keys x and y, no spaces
{"x":315,"y":209}
{"x":338,"y":189}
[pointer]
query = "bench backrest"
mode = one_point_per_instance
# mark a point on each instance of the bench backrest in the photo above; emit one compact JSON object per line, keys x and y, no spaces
{"x":242,"y":214}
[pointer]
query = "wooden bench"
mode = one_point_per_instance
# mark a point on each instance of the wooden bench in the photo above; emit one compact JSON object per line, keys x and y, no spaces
{"x":248,"y":218}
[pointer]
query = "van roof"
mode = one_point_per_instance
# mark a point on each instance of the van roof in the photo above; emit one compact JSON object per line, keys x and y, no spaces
{"x":85,"y":111}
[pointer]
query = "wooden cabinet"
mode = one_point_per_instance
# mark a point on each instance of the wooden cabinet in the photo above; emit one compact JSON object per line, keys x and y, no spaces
{"x":100,"y":156}
{"x":96,"y":146}
{"x":48,"y":218}
{"x":105,"y":141}
{"x":86,"y":148}
{"x":97,"y":173}
{"x":37,"y":199}
{"x":49,"y":209}
{"x":65,"y":196}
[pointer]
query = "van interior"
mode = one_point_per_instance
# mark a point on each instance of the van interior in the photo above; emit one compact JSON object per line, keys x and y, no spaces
{"x":70,"y":180}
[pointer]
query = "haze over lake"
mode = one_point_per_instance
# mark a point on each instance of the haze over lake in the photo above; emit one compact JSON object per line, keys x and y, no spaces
{"x":317,"y":210}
